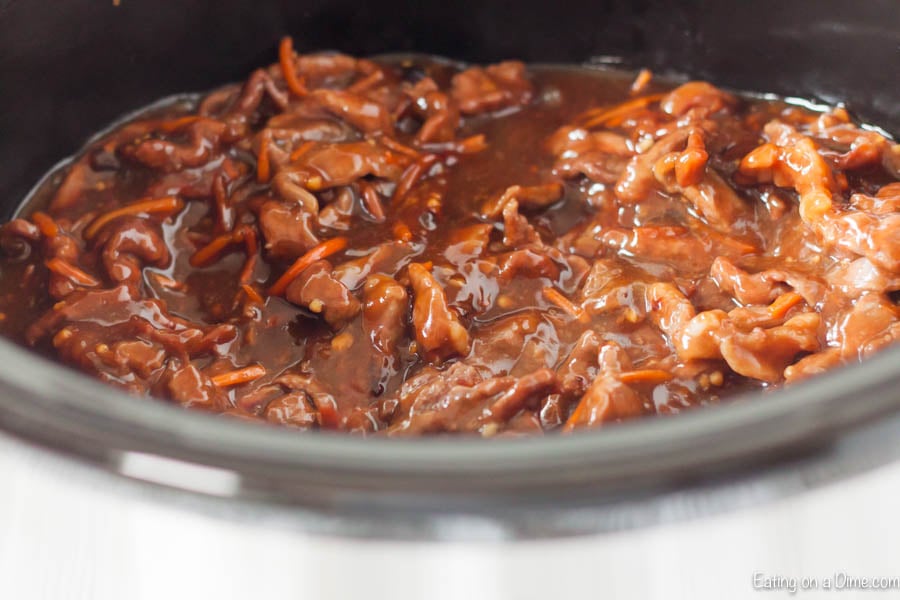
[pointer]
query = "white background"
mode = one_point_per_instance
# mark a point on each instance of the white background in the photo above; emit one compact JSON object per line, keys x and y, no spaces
{"x":63,"y":536}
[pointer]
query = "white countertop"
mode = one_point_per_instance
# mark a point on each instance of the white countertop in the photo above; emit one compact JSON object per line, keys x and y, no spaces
{"x":62,"y":538}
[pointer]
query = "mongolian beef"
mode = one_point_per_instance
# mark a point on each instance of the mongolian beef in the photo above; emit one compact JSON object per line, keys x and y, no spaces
{"x":408,"y":246}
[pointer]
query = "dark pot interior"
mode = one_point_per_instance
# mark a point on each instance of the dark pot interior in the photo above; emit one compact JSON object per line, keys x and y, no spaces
{"x":70,"y":67}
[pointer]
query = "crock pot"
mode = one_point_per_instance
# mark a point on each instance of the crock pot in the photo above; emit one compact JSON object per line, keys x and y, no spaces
{"x":71,"y":67}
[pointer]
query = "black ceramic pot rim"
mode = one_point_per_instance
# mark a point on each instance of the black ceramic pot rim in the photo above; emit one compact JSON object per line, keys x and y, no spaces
{"x":57,"y":408}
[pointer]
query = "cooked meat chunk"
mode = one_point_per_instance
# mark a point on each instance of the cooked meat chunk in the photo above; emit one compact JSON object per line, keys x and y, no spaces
{"x":384,"y":313}
{"x":387,"y":259}
{"x":517,"y":231}
{"x":765,"y":353}
{"x":360,"y":112}
{"x":328,"y":165}
{"x":286,"y":228}
{"x":491,"y":88}
{"x":203,"y":137}
{"x":607,"y":398}
{"x":598,"y":155}
{"x":133,"y":244}
{"x":535,"y":196}
{"x":762,"y":287}
{"x":697,"y":96}
{"x":318,"y":290}
{"x":439,"y":333}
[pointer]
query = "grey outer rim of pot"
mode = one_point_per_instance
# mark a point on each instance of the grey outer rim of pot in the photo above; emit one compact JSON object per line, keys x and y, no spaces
{"x":767,"y":445}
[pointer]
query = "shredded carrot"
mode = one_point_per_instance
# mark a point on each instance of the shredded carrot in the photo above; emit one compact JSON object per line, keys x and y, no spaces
{"x":328,"y":416}
{"x":61,"y":267}
{"x":372,"y":201}
{"x":232,"y":170}
{"x":252,"y":294}
{"x":294,"y":82}
{"x":739,"y":246}
{"x":45,"y":224}
{"x":169,"y":204}
{"x":262,"y":160}
{"x":611,"y":117}
{"x":784,"y":303}
{"x":220,"y":198}
{"x":247,"y":269}
{"x":396,"y":146}
{"x":302,"y":149}
{"x":645,"y":376}
{"x":323,"y":250}
{"x":252,"y":245}
{"x":366,"y":83}
{"x":473,"y":144}
{"x":176,"y":124}
{"x":641,"y":81}
{"x":167,"y":282}
{"x":427,"y":265}
{"x":704,"y":232}
{"x":575,"y":417}
{"x":412,"y":174}
{"x":554,"y":296}
{"x":239,"y":376}
{"x":208,"y":253}
{"x":82,"y":221}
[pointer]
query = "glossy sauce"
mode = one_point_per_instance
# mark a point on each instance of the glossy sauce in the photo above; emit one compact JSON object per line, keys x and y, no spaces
{"x":579,"y":322}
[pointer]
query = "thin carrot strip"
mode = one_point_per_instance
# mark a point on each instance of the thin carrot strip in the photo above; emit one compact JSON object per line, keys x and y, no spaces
{"x":168,"y":204}
{"x":473,"y":144}
{"x":252,"y":294}
{"x":208,"y":253}
{"x":575,"y":417}
{"x":252,"y":245}
{"x":641,"y":81}
{"x":645,"y":376}
{"x":366,"y":83}
{"x":286,"y":57}
{"x":231,"y":169}
{"x":554,"y":296}
{"x":302,"y":149}
{"x":411,"y":175}
{"x":396,"y":146}
{"x":328,"y":416}
{"x":176,"y":124}
{"x":784,"y":303}
{"x":736,"y":244}
{"x":704,"y":232}
{"x":45,"y":224}
{"x":372,"y":201}
{"x":262,"y":161}
{"x":615,"y":115}
{"x":323,"y":250}
{"x":247,"y":270}
{"x":61,"y":267}
{"x":220,"y":198}
{"x":167,"y":282}
{"x":82,"y":221}
{"x":469,"y":145}
{"x":239,"y":376}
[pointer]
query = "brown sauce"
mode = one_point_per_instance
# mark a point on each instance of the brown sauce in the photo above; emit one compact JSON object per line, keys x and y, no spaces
{"x":408,"y":247}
